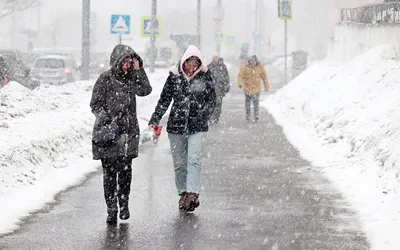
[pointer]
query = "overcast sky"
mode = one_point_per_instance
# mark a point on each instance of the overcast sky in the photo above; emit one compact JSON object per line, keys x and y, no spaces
{"x":312,"y":25}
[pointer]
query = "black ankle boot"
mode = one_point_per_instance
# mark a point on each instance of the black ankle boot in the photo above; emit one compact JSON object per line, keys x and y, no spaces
{"x":112,"y":218}
{"x":124,"y":212}
{"x":112,"y":211}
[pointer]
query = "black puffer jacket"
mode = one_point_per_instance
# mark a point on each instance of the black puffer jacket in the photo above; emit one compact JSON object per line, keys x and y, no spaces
{"x":114,"y":102}
{"x":193,"y":99}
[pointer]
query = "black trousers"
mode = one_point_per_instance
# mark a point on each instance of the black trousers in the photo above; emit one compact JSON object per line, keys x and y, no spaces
{"x":218,"y":110}
{"x":117,"y":178}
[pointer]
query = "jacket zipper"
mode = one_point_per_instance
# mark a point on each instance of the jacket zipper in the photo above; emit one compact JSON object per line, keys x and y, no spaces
{"x":188,"y":110}
{"x":126,"y":133}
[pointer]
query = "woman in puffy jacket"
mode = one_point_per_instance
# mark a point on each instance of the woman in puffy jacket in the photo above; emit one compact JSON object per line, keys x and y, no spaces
{"x":190,"y":88}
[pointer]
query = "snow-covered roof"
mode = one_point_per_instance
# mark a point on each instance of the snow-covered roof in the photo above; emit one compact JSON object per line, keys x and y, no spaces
{"x":61,"y":57}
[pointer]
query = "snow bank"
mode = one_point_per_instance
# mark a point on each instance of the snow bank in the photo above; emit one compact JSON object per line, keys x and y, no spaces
{"x":45,"y":143}
{"x":345,"y":120}
{"x":47,"y":129}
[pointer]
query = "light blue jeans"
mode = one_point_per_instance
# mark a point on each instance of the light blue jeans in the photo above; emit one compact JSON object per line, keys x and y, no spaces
{"x":187,"y":153}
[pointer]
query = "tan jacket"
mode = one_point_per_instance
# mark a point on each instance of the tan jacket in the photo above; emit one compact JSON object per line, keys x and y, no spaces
{"x":249,"y":77}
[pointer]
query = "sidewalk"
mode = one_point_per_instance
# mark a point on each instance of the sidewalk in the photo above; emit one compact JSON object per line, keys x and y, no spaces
{"x":257,"y":194}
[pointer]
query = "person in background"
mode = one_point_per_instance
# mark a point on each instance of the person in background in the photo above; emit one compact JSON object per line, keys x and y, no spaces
{"x":116,"y":130}
{"x":220,"y":75}
{"x":249,"y":78}
{"x":190,"y":88}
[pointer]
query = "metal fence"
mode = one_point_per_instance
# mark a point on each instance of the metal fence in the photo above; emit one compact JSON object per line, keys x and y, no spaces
{"x":388,"y":12}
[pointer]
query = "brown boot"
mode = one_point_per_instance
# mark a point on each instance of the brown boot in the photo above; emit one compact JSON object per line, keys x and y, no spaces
{"x":182,"y":200}
{"x":192,"y":202}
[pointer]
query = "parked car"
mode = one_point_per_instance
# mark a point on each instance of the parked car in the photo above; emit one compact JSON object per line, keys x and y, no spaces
{"x":99,"y":62}
{"x":54,"y":69}
{"x":164,"y":58}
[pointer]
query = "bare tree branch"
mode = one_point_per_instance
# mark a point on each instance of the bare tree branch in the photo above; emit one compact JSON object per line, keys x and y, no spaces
{"x":13,"y":6}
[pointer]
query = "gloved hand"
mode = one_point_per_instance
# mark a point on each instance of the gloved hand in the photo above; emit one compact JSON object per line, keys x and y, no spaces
{"x":151,"y":126}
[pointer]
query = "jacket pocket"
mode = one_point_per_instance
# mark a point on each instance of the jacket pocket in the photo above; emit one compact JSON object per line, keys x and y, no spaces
{"x":105,"y":134}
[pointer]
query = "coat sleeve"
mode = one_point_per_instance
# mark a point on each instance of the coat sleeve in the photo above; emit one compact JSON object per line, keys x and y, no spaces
{"x":240,"y":77}
{"x":264,"y":78}
{"x":226,"y":80}
{"x":98,"y":100}
{"x":211,"y":99}
{"x":163,"y":103}
{"x":141,"y":84}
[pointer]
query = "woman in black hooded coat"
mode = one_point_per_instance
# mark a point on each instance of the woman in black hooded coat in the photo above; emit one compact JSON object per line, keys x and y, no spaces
{"x":116,"y":130}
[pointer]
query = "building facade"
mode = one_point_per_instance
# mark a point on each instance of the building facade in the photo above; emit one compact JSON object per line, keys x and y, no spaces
{"x":355,"y":3}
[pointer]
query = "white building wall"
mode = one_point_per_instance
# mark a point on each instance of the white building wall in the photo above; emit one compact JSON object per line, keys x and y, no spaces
{"x":351,"y":40}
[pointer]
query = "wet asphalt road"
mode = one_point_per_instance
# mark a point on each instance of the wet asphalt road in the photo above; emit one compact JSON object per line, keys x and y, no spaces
{"x":257,"y":194}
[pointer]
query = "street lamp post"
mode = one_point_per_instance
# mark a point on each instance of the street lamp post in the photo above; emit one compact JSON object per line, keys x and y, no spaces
{"x":85,"y":39}
{"x":219,"y":14}
{"x":153,"y":49}
{"x":256,"y":29}
{"x":199,"y":23}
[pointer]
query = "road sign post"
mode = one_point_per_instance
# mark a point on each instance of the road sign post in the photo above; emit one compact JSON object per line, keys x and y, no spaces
{"x":219,"y":14}
{"x":285,"y":13}
{"x":120,"y":25}
{"x":151,"y":26}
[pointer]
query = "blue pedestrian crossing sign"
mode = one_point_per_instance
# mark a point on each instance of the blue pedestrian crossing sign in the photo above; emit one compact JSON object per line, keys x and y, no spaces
{"x":146,"y":26}
{"x":219,"y":38}
{"x":230,"y":40}
{"x":120,"y":24}
{"x":285,"y":9}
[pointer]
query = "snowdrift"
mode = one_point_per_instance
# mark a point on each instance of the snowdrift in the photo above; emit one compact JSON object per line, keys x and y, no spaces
{"x":345,"y":120}
{"x":45,"y":137}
